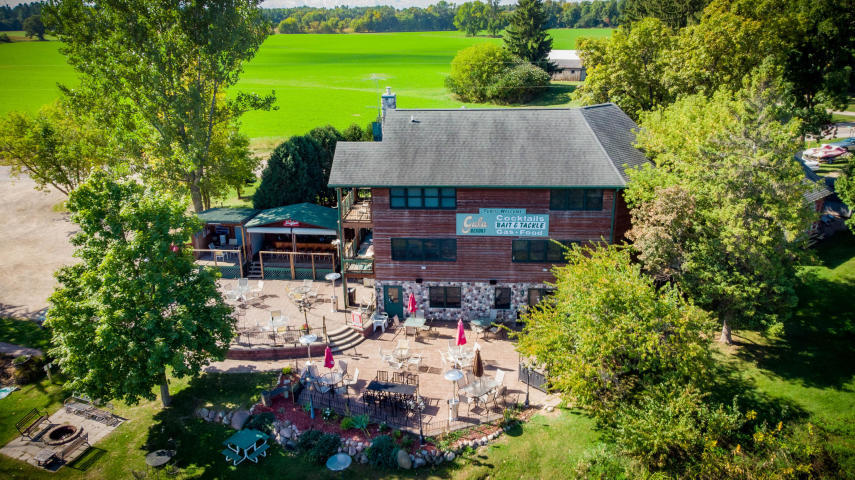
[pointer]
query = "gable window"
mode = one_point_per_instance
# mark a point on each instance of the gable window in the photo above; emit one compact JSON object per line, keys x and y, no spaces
{"x":428,"y":198}
{"x":424,"y":249}
{"x":503,"y":298}
{"x":444,"y":297}
{"x":543,"y":251}
{"x":576,"y":199}
{"x":535,"y":295}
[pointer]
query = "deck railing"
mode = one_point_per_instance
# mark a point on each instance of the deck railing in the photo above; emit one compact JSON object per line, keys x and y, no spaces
{"x":346,"y":203}
{"x":230,"y":263}
{"x":295,"y":265}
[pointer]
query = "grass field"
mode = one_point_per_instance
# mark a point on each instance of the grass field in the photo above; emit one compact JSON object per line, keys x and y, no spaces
{"x":318,"y":79}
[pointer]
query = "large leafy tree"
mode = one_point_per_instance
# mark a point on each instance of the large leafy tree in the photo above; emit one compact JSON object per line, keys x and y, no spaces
{"x":627,"y":69}
{"x":33,"y":27}
{"x":164,"y":68}
{"x":526,"y":35}
{"x":136,"y":305}
{"x":471,"y":18}
{"x":674,"y":13}
{"x":608,"y":333}
{"x":54,"y":147}
{"x":723,"y":213}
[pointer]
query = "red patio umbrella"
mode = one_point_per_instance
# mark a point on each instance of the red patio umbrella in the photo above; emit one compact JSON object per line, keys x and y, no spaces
{"x":328,"y":360}
{"x":461,"y":336}
{"x":411,"y":304}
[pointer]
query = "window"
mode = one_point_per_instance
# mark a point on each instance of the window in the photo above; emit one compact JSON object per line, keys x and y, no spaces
{"x":444,"y":297}
{"x":424,"y":198}
{"x":535,"y":295}
{"x":576,"y":199}
{"x":542,"y":251}
{"x":424,"y":249}
{"x":503,"y":298}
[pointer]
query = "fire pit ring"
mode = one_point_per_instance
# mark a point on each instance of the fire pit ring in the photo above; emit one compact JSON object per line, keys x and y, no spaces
{"x":60,"y":434}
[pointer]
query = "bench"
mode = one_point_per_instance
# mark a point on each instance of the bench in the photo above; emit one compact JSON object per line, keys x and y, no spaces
{"x":231,"y":456}
{"x":73,"y":445}
{"x":258,"y":452}
{"x":30,"y":423}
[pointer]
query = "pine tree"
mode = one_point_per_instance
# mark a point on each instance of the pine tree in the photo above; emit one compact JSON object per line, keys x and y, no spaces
{"x":526,"y":35}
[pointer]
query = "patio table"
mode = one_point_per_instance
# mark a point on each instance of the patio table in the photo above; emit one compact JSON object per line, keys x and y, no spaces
{"x":245,"y":442}
{"x":332,"y":378}
{"x":44,"y":456}
{"x":479,"y":387}
{"x":390,"y":387}
{"x":461,"y":357}
{"x":416,"y":323}
{"x":302,"y":289}
{"x":483,"y":322}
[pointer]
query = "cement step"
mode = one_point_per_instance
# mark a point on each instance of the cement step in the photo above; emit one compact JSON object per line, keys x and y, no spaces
{"x":343,"y":339}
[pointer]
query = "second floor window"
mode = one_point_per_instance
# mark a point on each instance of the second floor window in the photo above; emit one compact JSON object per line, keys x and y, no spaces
{"x":542,"y":251}
{"x":423,"y":198}
{"x":424,"y":249}
{"x":576,"y":199}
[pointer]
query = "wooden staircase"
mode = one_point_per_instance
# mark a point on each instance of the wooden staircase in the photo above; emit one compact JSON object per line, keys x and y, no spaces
{"x":254,"y":271}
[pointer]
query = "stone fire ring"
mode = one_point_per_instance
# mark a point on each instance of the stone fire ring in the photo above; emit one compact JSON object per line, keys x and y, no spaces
{"x":61,"y":434}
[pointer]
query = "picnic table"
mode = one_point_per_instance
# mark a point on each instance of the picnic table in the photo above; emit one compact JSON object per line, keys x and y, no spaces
{"x":483,"y":322}
{"x":246,"y":444}
{"x":43,"y":456}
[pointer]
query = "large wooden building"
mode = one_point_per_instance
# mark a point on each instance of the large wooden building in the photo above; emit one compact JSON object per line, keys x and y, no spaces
{"x":460,"y":207}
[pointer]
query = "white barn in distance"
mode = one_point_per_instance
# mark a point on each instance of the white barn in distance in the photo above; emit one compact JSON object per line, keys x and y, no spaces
{"x":569,"y":65}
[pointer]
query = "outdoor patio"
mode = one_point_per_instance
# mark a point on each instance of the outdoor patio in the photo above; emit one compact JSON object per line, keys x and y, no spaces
{"x":498,"y":354}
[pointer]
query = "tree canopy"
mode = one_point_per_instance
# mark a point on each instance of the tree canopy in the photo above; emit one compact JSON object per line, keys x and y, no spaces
{"x":136,"y":305}
{"x":486,"y":72}
{"x":526,"y":35}
{"x":33,"y":27}
{"x":607,"y":333}
{"x":471,"y":18}
{"x":54,"y":147}
{"x":723,"y":212}
{"x":162,"y":70}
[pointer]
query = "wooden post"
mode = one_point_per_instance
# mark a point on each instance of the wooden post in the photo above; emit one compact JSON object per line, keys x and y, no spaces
{"x":314,"y":276}
{"x":293,"y":273}
{"x":240,"y":262}
{"x":261,"y":262}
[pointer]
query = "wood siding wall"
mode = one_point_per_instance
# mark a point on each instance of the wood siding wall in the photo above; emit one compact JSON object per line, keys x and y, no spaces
{"x":478,"y":258}
{"x":623,"y":221}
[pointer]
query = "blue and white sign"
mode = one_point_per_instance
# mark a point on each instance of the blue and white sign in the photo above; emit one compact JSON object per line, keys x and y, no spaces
{"x":503,"y":222}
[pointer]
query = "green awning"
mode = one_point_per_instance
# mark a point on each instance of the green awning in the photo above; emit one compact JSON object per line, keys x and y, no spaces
{"x":227,"y":215}
{"x":306,"y":213}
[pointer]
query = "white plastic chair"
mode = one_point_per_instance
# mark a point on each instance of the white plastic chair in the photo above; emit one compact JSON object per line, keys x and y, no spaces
{"x":342,"y":366}
{"x":243,"y":282}
{"x":307,"y":283}
{"x":256,"y":292}
{"x":500,"y":377}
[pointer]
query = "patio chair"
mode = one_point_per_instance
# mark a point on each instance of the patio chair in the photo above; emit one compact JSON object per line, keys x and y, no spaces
{"x":382,"y":376}
{"x":313,"y":371}
{"x":399,"y":377}
{"x":403,"y":344}
{"x":412,"y":379}
{"x":307,"y":282}
{"x":500,"y":377}
{"x":342,"y":366}
{"x":468,"y":401}
{"x":415,"y":360}
{"x":348,"y":382}
{"x":218,"y":256}
{"x":243,"y":282}
{"x":256,"y":292}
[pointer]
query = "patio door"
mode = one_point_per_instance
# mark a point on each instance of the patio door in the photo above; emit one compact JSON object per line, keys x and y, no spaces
{"x":393,"y":301}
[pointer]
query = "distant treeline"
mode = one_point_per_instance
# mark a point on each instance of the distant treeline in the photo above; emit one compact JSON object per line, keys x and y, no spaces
{"x":12,"y":18}
{"x":440,"y":16}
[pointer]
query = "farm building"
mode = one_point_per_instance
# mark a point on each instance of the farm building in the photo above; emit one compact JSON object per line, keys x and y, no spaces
{"x":569,"y":65}
{"x":459,"y":207}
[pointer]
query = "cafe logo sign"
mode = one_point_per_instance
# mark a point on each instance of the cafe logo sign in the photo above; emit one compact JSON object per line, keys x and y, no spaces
{"x":503,"y":222}
{"x":290,"y":223}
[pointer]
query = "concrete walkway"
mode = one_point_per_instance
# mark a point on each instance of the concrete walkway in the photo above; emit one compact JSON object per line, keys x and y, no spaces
{"x":17,"y":350}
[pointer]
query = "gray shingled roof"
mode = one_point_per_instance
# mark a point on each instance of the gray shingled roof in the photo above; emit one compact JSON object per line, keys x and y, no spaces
{"x":507,"y":147}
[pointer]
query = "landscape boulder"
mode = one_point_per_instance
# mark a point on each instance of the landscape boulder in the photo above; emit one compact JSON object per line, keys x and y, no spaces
{"x":239,"y":419}
{"x":404,"y":460}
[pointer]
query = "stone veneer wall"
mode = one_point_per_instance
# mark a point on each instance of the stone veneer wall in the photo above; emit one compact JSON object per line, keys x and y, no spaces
{"x":476,"y":298}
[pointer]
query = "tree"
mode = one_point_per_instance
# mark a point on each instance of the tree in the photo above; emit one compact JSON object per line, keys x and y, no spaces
{"x":845,"y":189}
{"x":607,"y":333}
{"x":728,"y":160}
{"x":488,"y":72}
{"x":674,"y":13}
{"x":471,"y":18}
{"x":628,"y":68}
{"x":136,"y":305}
{"x":53,"y":147}
{"x":33,"y":27}
{"x":526,"y":35}
{"x":165,"y":68}
{"x":494,"y":22}
{"x":289,"y":25}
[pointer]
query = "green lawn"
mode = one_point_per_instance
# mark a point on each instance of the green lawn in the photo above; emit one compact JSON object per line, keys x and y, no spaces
{"x":840,"y":118}
{"x":25,"y":333}
{"x":318,"y":79}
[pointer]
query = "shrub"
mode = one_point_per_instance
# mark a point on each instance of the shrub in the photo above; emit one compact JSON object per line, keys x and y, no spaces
{"x":519,"y":84}
{"x":308,"y":440}
{"x":407,"y":442}
{"x":346,"y":423}
{"x":671,"y":427}
{"x":287,"y":370}
{"x":489,"y":72}
{"x":383,"y":427}
{"x":326,"y":445}
{"x":602,"y":462}
{"x":262,"y":422}
{"x":382,"y":452}
{"x":4,"y":38}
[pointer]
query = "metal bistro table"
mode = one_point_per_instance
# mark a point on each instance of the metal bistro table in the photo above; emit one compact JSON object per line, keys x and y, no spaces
{"x":302,"y":289}
{"x":331,"y":379}
{"x":415,"y":323}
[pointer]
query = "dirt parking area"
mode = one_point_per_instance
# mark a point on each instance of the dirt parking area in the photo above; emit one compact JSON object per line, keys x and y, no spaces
{"x":35,"y":243}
